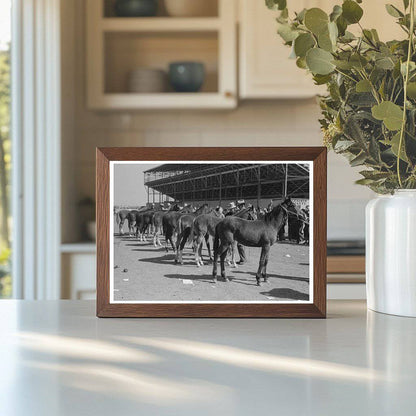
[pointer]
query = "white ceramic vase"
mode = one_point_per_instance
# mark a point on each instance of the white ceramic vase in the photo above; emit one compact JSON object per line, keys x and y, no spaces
{"x":391,"y":253}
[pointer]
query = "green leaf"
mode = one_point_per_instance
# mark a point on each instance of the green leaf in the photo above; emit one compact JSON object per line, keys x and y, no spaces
{"x":393,"y":11}
{"x":412,"y":67}
{"x":324,"y":42}
{"x":347,"y":37}
{"x":316,"y":20}
{"x":391,"y":114}
{"x":363,"y":86}
{"x":358,"y":160}
{"x":301,"y":63}
{"x":303,"y":43}
{"x":406,"y":4}
{"x":394,"y":144}
{"x":319,"y":61}
{"x":358,"y":61}
{"x":374,"y":175}
{"x":375,"y":35}
{"x":351,"y":11}
{"x":411,"y":90}
{"x":364,"y":181}
{"x":336,"y":12}
{"x":385,"y":63}
{"x":343,"y":145}
{"x":374,"y":150}
{"x":342,"y":25}
{"x":276,"y":4}
{"x":321,"y":79}
{"x":286,"y":32}
{"x":301,"y":15}
{"x":341,"y":64}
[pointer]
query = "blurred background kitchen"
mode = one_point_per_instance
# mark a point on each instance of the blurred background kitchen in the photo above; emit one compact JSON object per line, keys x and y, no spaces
{"x":148,"y":73}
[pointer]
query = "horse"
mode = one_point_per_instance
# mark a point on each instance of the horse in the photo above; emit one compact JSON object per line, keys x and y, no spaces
{"x":185,"y":223}
{"x":204,"y":227}
{"x":132,"y":221}
{"x":170,"y":224}
{"x":158,"y":223}
{"x":121,"y":217}
{"x":259,"y":233}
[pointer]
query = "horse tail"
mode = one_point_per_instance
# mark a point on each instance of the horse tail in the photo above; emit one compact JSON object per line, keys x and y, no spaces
{"x":216,"y":240}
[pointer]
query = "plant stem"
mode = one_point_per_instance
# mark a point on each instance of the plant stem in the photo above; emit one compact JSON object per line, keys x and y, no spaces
{"x":406,"y":80}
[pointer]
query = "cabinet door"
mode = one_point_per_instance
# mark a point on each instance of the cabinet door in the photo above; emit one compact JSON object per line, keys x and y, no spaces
{"x":265,"y":68}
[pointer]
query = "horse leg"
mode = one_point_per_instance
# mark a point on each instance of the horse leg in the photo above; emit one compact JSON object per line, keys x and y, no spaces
{"x":208,"y":246}
{"x":155,"y":239}
{"x":183,"y":240}
{"x":214,"y":266}
{"x":233,"y":250}
{"x":223,"y":254}
{"x":261,"y":265}
{"x":197,"y":249}
{"x":266,"y":260}
{"x":158,"y":237}
{"x":180,"y":244}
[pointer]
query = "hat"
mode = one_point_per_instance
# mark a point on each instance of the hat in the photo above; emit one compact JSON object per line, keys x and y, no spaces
{"x":241,"y":202}
{"x":232,"y":205}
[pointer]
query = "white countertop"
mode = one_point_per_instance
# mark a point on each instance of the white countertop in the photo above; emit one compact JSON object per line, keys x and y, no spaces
{"x":57,"y":359}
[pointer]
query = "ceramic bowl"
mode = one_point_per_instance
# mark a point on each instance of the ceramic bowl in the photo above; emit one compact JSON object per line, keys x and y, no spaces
{"x":147,"y":80}
{"x":186,"y":76}
{"x":135,"y":8}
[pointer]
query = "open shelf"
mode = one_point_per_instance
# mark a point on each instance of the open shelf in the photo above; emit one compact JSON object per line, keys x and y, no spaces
{"x":116,"y":46}
{"x":127,"y":51}
{"x":160,"y":24}
{"x":108,"y":9}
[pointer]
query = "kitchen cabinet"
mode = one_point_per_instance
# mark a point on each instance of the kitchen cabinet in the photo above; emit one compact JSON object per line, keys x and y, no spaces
{"x":118,"y":45}
{"x":265,"y":70}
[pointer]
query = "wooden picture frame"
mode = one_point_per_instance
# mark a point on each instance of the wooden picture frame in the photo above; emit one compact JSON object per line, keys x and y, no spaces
{"x":315,"y":308}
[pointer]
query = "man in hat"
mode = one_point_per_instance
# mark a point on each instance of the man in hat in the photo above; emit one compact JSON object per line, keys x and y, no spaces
{"x":241,"y":204}
{"x":231,"y":209}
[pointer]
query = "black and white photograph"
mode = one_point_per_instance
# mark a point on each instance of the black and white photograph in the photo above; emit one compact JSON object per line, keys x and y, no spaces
{"x":220,"y":232}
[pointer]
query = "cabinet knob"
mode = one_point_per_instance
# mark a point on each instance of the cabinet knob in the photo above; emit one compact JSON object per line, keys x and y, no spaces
{"x":229,"y":94}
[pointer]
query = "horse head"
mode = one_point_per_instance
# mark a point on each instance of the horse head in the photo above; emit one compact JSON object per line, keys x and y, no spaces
{"x":174,"y":207}
{"x":203,"y":209}
{"x":289,"y":206}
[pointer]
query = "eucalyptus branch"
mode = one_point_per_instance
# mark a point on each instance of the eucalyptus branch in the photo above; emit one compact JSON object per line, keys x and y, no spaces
{"x":405,"y":81}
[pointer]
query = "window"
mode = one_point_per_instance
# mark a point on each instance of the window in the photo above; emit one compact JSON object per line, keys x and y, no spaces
{"x":5,"y":147}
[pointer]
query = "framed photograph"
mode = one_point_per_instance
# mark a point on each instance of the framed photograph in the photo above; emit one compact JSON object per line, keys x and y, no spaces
{"x":211,"y":232}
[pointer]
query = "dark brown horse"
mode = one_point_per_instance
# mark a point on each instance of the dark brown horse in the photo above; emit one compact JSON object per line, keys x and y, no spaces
{"x":185,"y":229}
{"x":132,"y":221}
{"x":204,"y":227}
{"x":170,"y":224}
{"x":158,"y":223}
{"x":260,"y":233}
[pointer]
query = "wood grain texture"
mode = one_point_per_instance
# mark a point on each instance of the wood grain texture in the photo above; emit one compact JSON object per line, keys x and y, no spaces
{"x":317,"y":309}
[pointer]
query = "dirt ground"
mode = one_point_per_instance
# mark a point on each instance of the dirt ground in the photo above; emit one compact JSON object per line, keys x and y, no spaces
{"x":143,"y":272}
